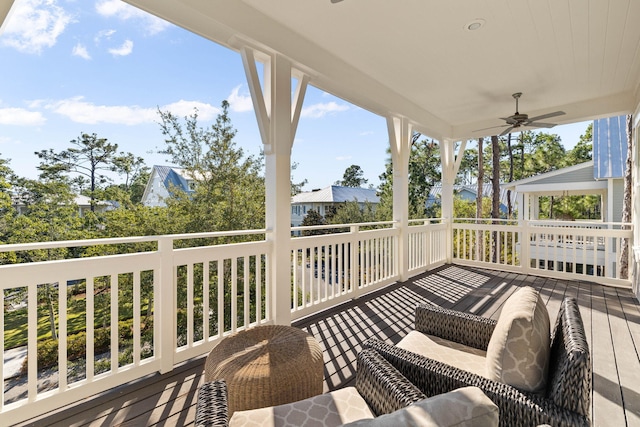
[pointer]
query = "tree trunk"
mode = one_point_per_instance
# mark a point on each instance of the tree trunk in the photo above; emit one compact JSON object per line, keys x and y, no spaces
{"x":509,"y":204}
{"x":479,"y":239}
{"x":495,"y":205}
{"x":626,"y":202}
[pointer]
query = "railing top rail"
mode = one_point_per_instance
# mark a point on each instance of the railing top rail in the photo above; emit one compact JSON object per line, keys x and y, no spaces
{"x":486,"y":219}
{"x":120,"y":240}
{"x":429,"y":220}
{"x":332,"y":226}
{"x":542,"y":222}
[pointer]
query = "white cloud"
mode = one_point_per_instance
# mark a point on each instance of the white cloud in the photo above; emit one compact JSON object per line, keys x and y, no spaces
{"x":343,"y":158}
{"x":240,"y":103}
{"x":125,"y":12}
{"x":81,"y":51}
{"x":103,"y":34}
{"x":366,"y":133}
{"x":320,"y":110}
{"x":81,"y":111}
{"x":124,"y":50}
{"x":21,"y":117}
{"x":184,"y":108}
{"x":35,"y":25}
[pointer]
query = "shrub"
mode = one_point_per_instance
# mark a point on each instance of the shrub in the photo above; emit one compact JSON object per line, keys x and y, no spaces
{"x":76,"y":345}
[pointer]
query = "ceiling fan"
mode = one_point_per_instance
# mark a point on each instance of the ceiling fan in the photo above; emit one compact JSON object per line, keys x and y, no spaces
{"x":519,"y":119}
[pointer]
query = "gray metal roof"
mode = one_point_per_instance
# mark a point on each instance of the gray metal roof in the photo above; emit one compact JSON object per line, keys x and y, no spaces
{"x":470,"y":191}
{"x":609,"y":147}
{"x":336,"y":194}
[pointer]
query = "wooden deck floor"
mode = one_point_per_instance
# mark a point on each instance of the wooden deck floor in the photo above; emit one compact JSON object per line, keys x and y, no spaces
{"x":611,"y":317}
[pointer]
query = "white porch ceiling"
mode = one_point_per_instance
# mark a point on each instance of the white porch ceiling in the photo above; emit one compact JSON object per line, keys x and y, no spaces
{"x":415,"y":58}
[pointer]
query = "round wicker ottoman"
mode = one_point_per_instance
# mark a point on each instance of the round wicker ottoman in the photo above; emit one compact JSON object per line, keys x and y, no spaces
{"x":266,"y":366}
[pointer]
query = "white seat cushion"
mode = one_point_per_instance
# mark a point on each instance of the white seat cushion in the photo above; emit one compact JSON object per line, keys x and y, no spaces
{"x":464,"y":407}
{"x":518,"y":351}
{"x":329,"y":409}
{"x":452,"y":353}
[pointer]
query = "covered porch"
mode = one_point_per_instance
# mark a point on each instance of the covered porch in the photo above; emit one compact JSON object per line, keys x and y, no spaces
{"x":611,"y":317}
{"x":412,"y":64}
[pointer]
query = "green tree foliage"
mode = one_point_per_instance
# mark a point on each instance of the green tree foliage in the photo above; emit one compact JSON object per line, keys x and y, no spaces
{"x":135,"y":173}
{"x":313,"y":217}
{"x":352,"y":213}
{"x":229,"y":189}
{"x":88,"y":157}
{"x":424,"y":171}
{"x":583,"y":150}
{"x":353,"y":177}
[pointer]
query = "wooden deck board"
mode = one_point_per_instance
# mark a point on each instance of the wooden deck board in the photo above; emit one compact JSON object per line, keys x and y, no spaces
{"x":626,"y":357}
{"x":611,"y":317}
{"x":607,"y":398}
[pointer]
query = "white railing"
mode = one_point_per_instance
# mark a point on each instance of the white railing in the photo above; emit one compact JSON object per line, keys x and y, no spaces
{"x":478,"y":242}
{"x":428,"y":239}
{"x":575,"y":250}
{"x":158,"y":303}
{"x":328,"y":269}
{"x":163,"y":300}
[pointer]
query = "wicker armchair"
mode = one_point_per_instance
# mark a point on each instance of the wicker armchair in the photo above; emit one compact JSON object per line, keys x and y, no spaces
{"x":381,"y":385}
{"x":565,"y":402}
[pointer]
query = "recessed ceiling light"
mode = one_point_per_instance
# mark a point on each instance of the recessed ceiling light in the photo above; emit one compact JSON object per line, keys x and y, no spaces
{"x":474,"y":25}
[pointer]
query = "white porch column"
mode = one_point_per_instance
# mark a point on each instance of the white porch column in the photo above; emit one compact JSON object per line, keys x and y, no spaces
{"x":277,"y":119}
{"x":400,"y":131}
{"x":450,"y":167}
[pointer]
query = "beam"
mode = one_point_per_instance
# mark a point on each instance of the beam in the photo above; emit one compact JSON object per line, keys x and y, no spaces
{"x":5,"y":8}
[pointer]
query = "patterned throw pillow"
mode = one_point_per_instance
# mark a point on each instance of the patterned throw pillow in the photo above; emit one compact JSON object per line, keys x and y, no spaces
{"x":518,"y":351}
{"x":329,"y":409}
{"x":464,"y":407}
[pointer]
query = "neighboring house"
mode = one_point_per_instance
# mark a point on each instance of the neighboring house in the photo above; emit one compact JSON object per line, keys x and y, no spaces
{"x":603,"y":176}
{"x":321,"y":200}
{"x":470,"y":193}
{"x":162,"y":181}
{"x":83,"y":203}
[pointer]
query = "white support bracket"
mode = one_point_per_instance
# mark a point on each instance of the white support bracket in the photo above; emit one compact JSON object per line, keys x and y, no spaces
{"x":278,"y":116}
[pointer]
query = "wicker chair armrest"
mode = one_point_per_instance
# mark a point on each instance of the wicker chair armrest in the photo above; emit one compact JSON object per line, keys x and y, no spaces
{"x":381,"y":385}
{"x":212,"y":408}
{"x":517,"y":408}
{"x":468,"y":329}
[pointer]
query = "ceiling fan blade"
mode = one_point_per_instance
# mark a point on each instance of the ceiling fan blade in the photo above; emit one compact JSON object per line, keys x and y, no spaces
{"x":547,"y":116}
{"x":506,"y":131}
{"x":540,"y":124}
{"x":492,"y":127}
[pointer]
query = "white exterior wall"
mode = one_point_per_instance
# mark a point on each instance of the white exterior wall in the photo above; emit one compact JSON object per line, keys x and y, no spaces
{"x":155,"y":193}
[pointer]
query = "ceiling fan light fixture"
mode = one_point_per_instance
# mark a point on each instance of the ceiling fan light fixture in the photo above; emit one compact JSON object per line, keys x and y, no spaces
{"x":474,"y":25}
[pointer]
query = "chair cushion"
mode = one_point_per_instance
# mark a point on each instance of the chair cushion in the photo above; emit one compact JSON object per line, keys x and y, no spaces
{"x":452,"y":353}
{"x":329,"y":409}
{"x":467,"y":406}
{"x":518,"y":351}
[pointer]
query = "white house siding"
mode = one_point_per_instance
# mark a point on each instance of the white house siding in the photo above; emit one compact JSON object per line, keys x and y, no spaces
{"x":156,"y":192}
{"x":617,"y":199}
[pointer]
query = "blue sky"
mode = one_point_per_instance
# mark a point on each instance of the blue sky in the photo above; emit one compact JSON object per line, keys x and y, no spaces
{"x":104,"y":67}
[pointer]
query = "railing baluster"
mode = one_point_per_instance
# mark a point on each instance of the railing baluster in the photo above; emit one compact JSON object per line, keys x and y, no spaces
{"x":190,"y":317}
{"x":137,"y":313}
{"x":32,"y":348}
{"x":234,"y":294}
{"x":62,"y":334}
{"x":206,"y":296}
{"x":221,"y":312}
